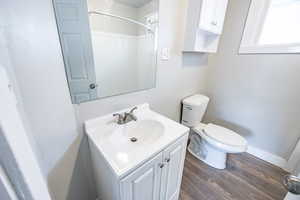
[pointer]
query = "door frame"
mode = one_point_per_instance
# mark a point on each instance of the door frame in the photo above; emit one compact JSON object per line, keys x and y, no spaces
{"x":7,"y":191}
{"x":17,"y":157}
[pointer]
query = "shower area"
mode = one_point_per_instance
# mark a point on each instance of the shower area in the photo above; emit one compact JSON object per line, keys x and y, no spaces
{"x":124,"y":39}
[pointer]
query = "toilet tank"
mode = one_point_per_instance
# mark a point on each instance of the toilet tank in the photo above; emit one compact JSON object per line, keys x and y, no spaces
{"x":193,"y":110}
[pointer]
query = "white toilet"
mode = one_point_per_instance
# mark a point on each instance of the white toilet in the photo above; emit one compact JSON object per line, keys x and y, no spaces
{"x":209,"y":142}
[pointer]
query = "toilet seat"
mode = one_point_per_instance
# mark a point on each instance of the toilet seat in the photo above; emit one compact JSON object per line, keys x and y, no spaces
{"x":222,"y":138}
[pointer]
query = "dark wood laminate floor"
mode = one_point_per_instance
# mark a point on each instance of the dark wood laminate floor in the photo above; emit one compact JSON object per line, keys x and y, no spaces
{"x":246,"y":178}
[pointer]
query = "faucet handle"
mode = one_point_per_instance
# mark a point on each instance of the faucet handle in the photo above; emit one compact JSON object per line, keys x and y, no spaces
{"x":120,"y":118}
{"x":117,"y":115}
{"x":133,"y":109}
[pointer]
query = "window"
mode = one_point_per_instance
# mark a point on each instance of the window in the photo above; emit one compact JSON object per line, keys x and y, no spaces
{"x":273,"y":26}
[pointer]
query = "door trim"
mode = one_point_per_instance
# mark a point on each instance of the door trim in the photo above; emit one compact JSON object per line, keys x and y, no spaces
{"x":16,"y":154}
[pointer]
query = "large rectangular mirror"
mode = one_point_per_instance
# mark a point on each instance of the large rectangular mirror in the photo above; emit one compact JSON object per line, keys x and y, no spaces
{"x":109,"y":46}
{"x":272,"y":26}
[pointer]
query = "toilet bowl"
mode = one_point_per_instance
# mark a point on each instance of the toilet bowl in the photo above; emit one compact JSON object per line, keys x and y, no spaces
{"x":216,"y":143}
{"x":209,"y":142}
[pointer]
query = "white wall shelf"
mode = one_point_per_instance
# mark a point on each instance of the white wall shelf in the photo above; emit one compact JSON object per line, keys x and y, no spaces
{"x":204,"y":25}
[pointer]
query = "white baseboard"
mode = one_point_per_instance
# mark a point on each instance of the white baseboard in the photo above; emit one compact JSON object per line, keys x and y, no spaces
{"x":268,"y":157}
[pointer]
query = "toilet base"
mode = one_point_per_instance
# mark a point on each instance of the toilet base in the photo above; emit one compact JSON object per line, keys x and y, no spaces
{"x":211,"y":156}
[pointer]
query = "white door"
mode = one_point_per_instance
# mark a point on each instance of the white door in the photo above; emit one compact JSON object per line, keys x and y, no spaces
{"x":75,"y":38}
{"x":172,"y":172}
{"x":143,"y":183}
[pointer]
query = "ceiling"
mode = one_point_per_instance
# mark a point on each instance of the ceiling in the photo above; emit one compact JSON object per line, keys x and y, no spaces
{"x":134,"y":3}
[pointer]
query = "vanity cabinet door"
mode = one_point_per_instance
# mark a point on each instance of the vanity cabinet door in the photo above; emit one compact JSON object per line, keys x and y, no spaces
{"x":174,"y":157}
{"x":143,"y":183}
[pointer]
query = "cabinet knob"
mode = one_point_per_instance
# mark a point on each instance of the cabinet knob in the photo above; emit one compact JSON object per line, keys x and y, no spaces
{"x":93,"y":86}
{"x":167,"y":160}
{"x":161,"y":165}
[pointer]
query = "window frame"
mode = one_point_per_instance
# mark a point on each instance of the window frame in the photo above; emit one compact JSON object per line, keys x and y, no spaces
{"x":248,"y":44}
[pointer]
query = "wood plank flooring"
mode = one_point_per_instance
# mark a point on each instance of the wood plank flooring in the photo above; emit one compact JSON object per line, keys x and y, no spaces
{"x":246,"y":178}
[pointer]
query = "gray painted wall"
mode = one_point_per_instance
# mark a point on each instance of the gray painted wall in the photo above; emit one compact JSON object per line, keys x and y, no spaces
{"x":256,"y":95}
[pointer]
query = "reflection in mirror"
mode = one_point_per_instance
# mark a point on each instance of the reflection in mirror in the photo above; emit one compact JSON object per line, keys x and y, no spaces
{"x":124,"y":44}
{"x":116,"y":48}
{"x":272,"y":27}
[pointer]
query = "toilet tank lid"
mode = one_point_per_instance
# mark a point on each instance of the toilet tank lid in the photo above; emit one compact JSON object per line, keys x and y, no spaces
{"x":196,"y":100}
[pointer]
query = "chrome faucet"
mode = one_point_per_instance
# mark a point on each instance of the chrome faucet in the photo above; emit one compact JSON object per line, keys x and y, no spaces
{"x":126,"y":117}
{"x":130,"y":116}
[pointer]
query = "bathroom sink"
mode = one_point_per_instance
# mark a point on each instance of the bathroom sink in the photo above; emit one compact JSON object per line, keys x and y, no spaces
{"x":128,"y":145}
{"x":144,"y":131}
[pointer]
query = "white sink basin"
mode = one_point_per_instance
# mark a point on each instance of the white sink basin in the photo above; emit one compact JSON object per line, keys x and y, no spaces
{"x":144,"y":131}
{"x":129,"y":145}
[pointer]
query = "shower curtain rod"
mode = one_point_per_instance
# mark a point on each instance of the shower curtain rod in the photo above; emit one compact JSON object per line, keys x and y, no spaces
{"x":122,"y":18}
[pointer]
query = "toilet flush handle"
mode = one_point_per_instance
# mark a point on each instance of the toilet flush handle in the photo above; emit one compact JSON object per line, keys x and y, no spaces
{"x":189,"y":108}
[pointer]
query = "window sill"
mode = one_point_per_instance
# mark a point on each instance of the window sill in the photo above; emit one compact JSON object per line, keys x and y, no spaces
{"x":270,"y":49}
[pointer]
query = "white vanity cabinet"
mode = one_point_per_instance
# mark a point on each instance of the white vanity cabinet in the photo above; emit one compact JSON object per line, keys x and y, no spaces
{"x":204,"y":25}
{"x":147,"y":168}
{"x":159,"y":178}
